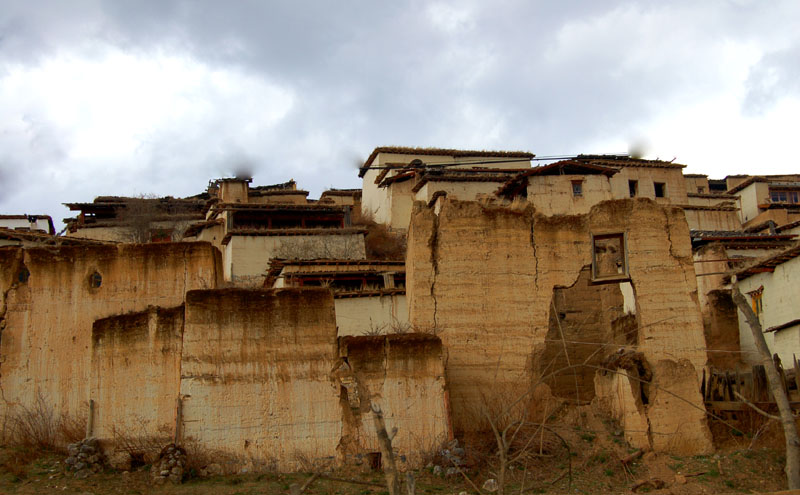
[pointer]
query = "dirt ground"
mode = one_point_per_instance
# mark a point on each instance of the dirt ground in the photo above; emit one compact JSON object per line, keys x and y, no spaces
{"x":584,"y":457}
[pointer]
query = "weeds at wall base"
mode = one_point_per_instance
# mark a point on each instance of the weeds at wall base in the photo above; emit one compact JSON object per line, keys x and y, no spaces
{"x":39,"y":428}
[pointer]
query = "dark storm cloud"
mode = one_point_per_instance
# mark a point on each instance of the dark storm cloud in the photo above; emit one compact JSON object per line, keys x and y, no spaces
{"x":546,"y":77}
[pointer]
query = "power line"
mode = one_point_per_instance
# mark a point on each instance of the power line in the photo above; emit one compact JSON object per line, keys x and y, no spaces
{"x":485,"y":162}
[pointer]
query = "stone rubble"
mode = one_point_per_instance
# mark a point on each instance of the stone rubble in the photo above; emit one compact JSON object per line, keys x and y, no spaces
{"x":170,"y":466}
{"x":85,"y":458}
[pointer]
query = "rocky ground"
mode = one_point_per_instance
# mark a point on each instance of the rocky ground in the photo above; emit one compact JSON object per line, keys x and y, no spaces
{"x":589,"y":461}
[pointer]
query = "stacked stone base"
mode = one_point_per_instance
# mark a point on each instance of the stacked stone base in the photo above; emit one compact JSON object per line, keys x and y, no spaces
{"x":170,"y":466}
{"x":85,"y":458}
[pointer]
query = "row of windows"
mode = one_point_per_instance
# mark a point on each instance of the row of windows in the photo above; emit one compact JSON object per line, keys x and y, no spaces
{"x":660,"y":188}
{"x":778,"y":196}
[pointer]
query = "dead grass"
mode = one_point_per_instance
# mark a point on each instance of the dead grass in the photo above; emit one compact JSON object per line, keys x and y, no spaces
{"x":140,"y":442}
{"x":38,"y":427}
{"x":381,"y":243}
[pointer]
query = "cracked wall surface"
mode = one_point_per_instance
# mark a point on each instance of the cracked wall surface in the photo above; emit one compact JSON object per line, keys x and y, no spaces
{"x":255,"y":374}
{"x":494,"y":271}
{"x":404,"y":374}
{"x":46,"y":344}
{"x":136,"y":361}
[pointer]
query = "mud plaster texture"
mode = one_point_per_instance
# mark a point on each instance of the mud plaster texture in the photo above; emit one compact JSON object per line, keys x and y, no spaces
{"x":136,"y":372}
{"x":47,"y":335}
{"x":404,"y":375}
{"x":482,"y":279}
{"x":255,"y":374}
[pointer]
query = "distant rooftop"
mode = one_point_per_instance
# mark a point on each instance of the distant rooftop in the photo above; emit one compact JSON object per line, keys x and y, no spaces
{"x":400,"y":150}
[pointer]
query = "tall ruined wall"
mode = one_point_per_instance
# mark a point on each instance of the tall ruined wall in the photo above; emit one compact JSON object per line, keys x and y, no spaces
{"x":47,"y":340}
{"x":255,"y":373}
{"x":482,"y":278}
{"x":136,"y":362}
{"x":404,"y":375}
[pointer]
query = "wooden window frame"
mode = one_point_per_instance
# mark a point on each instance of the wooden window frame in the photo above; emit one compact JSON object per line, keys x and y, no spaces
{"x":615,"y":278}
{"x":577,"y":192}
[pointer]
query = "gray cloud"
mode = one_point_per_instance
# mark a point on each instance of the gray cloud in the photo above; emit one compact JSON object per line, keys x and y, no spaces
{"x":547,"y":77}
{"x":775,"y":76}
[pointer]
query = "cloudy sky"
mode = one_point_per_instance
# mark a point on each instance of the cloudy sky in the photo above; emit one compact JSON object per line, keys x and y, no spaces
{"x":129,"y":97}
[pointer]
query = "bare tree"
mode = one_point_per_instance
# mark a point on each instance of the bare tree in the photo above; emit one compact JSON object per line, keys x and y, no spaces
{"x":792,"y":468}
{"x":138,"y":217}
{"x":321,"y":247}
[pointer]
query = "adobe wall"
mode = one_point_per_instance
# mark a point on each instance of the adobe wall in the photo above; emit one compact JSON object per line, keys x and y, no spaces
{"x":646,"y":176}
{"x":552,"y":194}
{"x":404,"y":375}
{"x":482,"y":279}
{"x":371,"y":315}
{"x":779,"y":302}
{"x":465,"y":191}
{"x":247,"y":257}
{"x":712,"y":219}
{"x":255,"y":374}
{"x":136,"y":363}
{"x":720,"y":323}
{"x":584,"y":314}
{"x":47,"y":341}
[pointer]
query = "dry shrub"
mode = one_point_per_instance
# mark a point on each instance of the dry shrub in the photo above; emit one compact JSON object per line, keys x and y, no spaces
{"x":384,"y":244}
{"x":381,"y":242}
{"x":38,"y":427}
{"x":200,"y":456}
{"x":140,"y":443}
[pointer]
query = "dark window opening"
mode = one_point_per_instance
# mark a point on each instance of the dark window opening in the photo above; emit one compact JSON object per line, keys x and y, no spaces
{"x":661,"y":189}
{"x":577,"y":188}
{"x":374,"y":460}
{"x":95,"y":280}
{"x":701,"y":189}
{"x":633,"y":187}
{"x":24,"y":275}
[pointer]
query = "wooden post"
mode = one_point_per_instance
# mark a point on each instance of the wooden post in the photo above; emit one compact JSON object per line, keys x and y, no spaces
{"x":178,"y":422}
{"x":703,"y":387}
{"x":90,"y":420}
{"x":796,"y":373}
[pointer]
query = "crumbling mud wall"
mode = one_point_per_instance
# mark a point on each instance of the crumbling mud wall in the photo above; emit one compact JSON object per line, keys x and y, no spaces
{"x":581,"y":316}
{"x":404,"y":375}
{"x":45,"y":348}
{"x":255,"y":374}
{"x":136,"y":362}
{"x":482,"y":279}
{"x":720,"y":316}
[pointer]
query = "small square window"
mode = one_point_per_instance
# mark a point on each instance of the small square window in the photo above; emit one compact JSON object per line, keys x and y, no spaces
{"x":633,"y":187}
{"x":660,"y":189}
{"x":577,"y":188}
{"x":701,"y":190}
{"x":609,"y":257}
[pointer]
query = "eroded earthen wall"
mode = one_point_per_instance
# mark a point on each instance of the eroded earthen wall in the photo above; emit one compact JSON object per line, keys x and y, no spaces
{"x":47,"y":340}
{"x":255,"y":374}
{"x":136,"y":361}
{"x":482,"y":279}
{"x":581,"y":316}
{"x":404,"y":375}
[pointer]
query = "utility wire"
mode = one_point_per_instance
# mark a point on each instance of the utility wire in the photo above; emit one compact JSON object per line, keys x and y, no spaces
{"x":484,"y":162}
